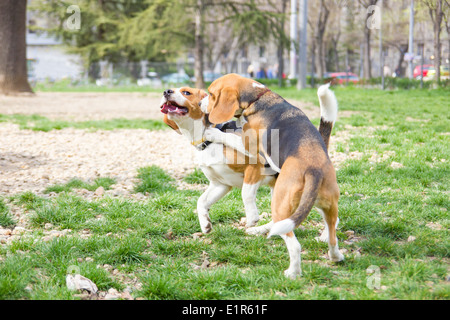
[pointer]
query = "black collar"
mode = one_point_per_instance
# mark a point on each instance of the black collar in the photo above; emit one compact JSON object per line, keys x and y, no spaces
{"x":203,"y":146}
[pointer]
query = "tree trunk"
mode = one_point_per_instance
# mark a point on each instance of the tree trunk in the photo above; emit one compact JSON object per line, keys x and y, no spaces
{"x":13,"y":53}
{"x":281,"y":46}
{"x":313,"y":61}
{"x":370,"y":15}
{"x":401,"y":70}
{"x":320,"y":31}
{"x":437,"y":39}
{"x":367,"y":62}
{"x":198,"y":65}
{"x":447,"y":26}
{"x":336,"y":54}
{"x":320,"y":56}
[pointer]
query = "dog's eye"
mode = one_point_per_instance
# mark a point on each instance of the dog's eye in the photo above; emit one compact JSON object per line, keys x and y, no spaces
{"x":186,"y":93}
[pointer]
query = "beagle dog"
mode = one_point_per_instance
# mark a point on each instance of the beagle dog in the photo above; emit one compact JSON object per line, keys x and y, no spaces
{"x":293,"y":147}
{"x":224,"y":167}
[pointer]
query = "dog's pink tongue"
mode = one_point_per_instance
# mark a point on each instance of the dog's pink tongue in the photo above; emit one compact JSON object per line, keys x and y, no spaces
{"x":166,"y":108}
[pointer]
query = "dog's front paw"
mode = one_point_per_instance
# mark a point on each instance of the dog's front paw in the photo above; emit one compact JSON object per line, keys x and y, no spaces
{"x":335,"y":255}
{"x":324,"y":236}
{"x":205,"y":222}
{"x":251,"y":222}
{"x":214,"y":135}
{"x":293,"y":274}
{"x":206,"y":228}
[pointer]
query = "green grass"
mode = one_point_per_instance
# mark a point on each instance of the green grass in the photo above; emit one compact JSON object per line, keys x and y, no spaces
{"x":196,"y":177}
{"x":40,"y":123}
{"x":67,"y":86}
{"x":75,"y":183}
{"x":6,"y":219}
{"x":154,"y":179}
{"x":151,"y":240}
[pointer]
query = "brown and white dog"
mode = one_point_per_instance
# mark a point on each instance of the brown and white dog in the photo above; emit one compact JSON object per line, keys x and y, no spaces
{"x":299,"y":154}
{"x":224,"y":167}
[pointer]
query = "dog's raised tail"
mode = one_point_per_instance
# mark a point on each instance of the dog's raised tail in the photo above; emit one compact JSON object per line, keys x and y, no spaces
{"x":328,"y":111}
{"x":313,"y":180}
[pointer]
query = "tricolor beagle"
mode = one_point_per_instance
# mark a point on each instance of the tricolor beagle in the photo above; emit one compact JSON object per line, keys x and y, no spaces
{"x":224,"y":167}
{"x":306,"y":174}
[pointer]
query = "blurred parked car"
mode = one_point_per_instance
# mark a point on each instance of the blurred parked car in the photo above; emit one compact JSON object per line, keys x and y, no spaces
{"x":343,"y":77}
{"x":176,"y":78}
{"x":416,"y":72}
{"x":431,"y":75}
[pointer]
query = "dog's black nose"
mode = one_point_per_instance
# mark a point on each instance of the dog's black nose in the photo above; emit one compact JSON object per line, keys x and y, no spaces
{"x":168,"y":92}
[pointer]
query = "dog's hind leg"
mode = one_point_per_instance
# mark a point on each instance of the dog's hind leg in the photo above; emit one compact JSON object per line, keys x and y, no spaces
{"x":294,"y":249}
{"x":214,"y":193}
{"x":324,"y":235}
{"x":330,"y":215}
{"x":286,"y":198}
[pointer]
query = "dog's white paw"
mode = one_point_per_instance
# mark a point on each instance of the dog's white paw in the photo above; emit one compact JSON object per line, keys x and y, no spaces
{"x":324,"y":236}
{"x":257,"y":231}
{"x":335,"y":255}
{"x":251,"y":222}
{"x":260,"y":230}
{"x":293,"y":273}
{"x":214,"y":135}
{"x":205,"y":223}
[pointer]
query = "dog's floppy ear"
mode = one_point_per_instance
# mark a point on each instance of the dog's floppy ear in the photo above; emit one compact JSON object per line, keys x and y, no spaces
{"x":171,"y":124}
{"x":224,"y":106}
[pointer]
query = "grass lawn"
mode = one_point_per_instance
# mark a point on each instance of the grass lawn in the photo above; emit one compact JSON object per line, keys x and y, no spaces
{"x":394,"y":223}
{"x":37,"y":122}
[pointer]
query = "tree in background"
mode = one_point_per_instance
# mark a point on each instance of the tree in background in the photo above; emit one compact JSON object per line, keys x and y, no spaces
{"x":159,"y":30}
{"x":13,"y":62}
{"x":283,"y":41}
{"x":447,"y":25}
{"x":99,"y":34}
{"x":436,"y":11}
{"x":367,"y":36}
{"x":395,"y":27}
{"x":321,"y":13}
{"x":334,"y":33}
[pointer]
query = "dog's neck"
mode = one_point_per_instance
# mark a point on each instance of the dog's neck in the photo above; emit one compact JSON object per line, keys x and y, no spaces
{"x":192,"y":129}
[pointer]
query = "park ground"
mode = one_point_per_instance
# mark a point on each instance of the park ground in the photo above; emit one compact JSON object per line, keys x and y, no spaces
{"x":95,"y":181}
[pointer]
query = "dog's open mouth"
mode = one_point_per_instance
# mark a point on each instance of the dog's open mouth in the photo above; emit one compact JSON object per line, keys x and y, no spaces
{"x":172,"y":108}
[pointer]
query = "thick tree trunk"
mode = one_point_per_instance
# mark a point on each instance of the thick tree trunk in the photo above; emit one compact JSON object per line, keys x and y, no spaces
{"x":400,"y":68}
{"x":198,"y":66}
{"x":13,"y":57}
